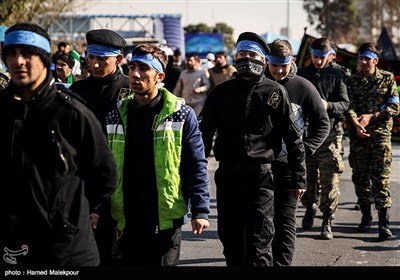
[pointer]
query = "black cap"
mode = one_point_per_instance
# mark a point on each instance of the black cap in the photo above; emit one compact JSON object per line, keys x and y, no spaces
{"x":251,"y":36}
{"x":105,"y":37}
{"x":177,"y":51}
{"x":67,"y":58}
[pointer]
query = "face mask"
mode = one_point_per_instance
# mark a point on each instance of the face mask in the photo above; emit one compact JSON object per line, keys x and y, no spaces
{"x":249,"y":67}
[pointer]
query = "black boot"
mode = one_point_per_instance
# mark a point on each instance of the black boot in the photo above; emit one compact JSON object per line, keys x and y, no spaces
{"x":366,"y":219}
{"x":308,"y":219}
{"x":326,"y":232}
{"x":384,"y":231}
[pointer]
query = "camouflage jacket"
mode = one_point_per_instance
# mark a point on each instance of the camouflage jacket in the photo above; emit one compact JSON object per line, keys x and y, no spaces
{"x":4,"y":79}
{"x":370,"y":95}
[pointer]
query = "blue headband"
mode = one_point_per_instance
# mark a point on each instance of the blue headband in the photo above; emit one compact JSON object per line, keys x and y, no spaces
{"x":369,"y":54}
{"x":150,"y":60}
{"x":102,"y":50}
{"x":25,"y":37}
{"x":251,"y":46}
{"x":279,"y":60}
{"x":320,"y":53}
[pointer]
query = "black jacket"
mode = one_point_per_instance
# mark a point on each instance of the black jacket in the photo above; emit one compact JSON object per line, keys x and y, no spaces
{"x":102,"y":94}
{"x":57,"y":167}
{"x":251,"y":119}
{"x":310,"y":113}
{"x":330,"y":84}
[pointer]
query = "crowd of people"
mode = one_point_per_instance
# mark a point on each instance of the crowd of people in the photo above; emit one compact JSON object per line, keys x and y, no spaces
{"x":106,"y":163}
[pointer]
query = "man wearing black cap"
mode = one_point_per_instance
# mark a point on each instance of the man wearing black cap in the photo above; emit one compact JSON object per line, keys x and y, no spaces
{"x":250,"y":115}
{"x":56,"y":164}
{"x":102,"y":89}
{"x":106,"y":84}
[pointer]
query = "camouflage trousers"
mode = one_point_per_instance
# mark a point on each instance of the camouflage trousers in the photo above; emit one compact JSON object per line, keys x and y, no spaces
{"x":371,"y":160}
{"x":324,"y":169}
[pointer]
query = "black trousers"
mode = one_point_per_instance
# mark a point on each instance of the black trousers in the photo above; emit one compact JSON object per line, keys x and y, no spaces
{"x":285,"y":206}
{"x":105,"y":234}
{"x":141,"y":248}
{"x":245,"y":213}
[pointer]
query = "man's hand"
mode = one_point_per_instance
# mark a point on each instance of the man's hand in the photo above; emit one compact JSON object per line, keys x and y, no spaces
{"x":325,"y":103}
{"x":361,"y":131}
{"x":199,"y":225}
{"x":94,"y":218}
{"x":298,"y":193}
{"x":365,"y":119}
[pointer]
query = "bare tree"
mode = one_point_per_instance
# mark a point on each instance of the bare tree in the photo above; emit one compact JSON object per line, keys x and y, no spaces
{"x":336,"y":19}
{"x":14,"y":11}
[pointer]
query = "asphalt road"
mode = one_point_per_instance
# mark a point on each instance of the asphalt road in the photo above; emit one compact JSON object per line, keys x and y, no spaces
{"x":348,"y":248}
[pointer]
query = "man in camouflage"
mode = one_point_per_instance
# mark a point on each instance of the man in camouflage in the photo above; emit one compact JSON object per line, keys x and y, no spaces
{"x":4,"y":79}
{"x":374,"y":101}
{"x":326,"y":165}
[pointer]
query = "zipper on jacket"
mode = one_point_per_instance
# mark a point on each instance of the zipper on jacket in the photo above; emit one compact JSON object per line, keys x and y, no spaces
{"x":60,"y":153}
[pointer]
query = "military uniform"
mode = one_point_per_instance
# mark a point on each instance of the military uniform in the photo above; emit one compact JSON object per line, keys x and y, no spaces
{"x":371,"y":158}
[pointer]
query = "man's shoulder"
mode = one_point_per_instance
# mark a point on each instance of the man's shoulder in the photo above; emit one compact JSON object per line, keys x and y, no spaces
{"x":335,"y":71}
{"x":77,"y":85}
{"x":272,"y":84}
{"x":385,"y":73}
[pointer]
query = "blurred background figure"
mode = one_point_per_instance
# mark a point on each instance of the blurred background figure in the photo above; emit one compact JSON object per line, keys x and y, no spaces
{"x":222,"y":71}
{"x":178,"y":60}
{"x":210,"y":61}
{"x":85,"y":71}
{"x":76,"y":69}
{"x":193,"y":84}
{"x":125,"y":63}
{"x":63,"y":73}
{"x":172,"y":71}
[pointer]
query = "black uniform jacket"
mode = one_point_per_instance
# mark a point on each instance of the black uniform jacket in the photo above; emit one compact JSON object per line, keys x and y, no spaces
{"x":101,"y":94}
{"x":250,"y":120}
{"x":57,"y":167}
{"x":330,"y":84}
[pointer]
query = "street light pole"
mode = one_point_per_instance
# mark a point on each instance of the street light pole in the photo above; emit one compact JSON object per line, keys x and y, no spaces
{"x":288,"y":19}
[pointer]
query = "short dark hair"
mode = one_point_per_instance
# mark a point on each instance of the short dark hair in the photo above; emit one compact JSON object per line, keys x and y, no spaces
{"x":158,"y":53}
{"x":370,"y":47}
{"x":221,"y":53}
{"x":67,"y":58}
{"x":177,"y":52}
{"x":44,"y":56}
{"x":195,"y":55}
{"x":280,"y":48}
{"x":62,"y":44}
{"x":322,"y":44}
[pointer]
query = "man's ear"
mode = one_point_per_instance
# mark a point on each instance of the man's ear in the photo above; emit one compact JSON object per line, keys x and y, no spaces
{"x":120,"y":57}
{"x":160,"y":77}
